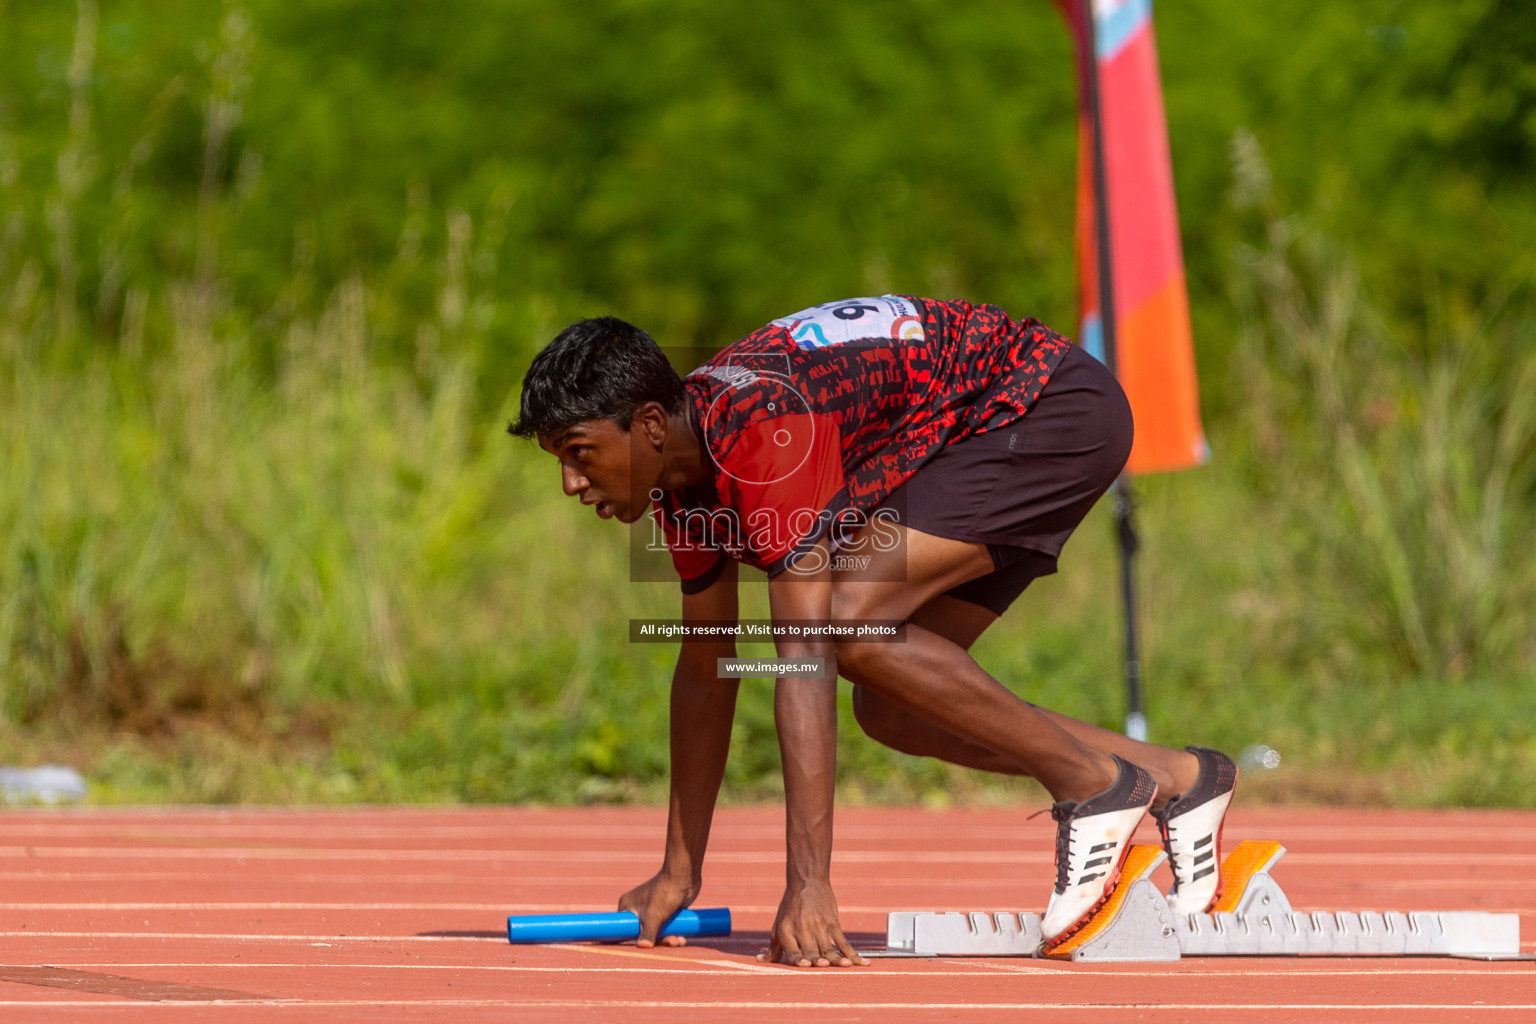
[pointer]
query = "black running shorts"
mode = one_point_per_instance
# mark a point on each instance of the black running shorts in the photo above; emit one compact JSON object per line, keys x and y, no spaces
{"x":1022,"y":489}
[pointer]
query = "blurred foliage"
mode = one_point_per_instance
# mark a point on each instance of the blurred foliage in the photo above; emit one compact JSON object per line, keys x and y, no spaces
{"x":702,"y":167}
{"x":269,"y":273}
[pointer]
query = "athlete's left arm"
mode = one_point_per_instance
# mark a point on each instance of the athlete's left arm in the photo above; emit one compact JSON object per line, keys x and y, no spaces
{"x":806,"y":932}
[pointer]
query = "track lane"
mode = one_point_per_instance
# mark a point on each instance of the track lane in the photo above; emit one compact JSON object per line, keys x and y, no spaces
{"x":395,"y":915}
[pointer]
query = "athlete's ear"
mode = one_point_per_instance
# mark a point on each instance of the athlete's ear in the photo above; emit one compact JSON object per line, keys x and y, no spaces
{"x":651,"y":421}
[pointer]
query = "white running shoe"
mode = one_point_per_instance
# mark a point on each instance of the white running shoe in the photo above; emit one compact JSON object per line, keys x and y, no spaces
{"x":1092,"y":839}
{"x":1190,"y":824}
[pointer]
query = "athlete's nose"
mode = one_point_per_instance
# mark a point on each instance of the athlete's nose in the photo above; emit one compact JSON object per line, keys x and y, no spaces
{"x":573,"y":482}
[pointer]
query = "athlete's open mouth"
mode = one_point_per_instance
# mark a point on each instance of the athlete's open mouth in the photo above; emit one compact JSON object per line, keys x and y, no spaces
{"x":604,"y":510}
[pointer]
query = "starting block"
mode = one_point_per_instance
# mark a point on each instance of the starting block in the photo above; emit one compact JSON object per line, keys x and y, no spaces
{"x":1252,"y":918}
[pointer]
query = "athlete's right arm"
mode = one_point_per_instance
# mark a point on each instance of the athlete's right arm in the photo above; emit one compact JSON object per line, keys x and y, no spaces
{"x":703,"y":706}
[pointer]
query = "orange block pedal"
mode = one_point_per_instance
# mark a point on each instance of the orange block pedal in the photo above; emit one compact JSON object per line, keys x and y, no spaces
{"x":1140,"y":862}
{"x":1247,"y":859}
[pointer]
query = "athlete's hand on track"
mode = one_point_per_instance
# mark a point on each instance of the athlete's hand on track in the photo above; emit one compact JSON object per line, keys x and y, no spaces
{"x":656,"y":900}
{"x":806,"y":932}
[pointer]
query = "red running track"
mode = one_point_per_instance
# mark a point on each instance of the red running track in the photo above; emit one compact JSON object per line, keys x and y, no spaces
{"x":397,"y":915}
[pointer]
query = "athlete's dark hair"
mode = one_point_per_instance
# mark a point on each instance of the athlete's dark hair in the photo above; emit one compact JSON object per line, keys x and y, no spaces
{"x":600,"y":369}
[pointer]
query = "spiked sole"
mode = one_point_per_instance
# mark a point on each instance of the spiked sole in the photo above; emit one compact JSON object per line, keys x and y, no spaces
{"x":1109,"y":890}
{"x":1138,"y":863}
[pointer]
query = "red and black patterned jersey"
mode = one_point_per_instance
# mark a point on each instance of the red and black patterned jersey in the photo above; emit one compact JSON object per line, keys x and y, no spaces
{"x":812,"y":421}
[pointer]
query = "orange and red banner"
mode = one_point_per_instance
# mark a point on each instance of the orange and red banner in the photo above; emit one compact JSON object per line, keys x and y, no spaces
{"x":1153,"y":351}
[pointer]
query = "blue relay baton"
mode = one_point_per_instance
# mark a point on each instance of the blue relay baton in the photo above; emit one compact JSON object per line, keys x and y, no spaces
{"x":612,"y":927}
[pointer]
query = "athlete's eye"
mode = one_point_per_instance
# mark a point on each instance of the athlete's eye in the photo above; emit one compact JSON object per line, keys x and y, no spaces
{"x":580,"y":450}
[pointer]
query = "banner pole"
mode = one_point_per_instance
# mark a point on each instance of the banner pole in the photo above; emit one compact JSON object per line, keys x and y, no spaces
{"x":1125,"y":508}
{"x":1135,"y":715}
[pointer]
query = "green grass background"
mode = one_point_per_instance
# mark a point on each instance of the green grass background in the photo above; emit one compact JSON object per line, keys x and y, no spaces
{"x":269,"y":274}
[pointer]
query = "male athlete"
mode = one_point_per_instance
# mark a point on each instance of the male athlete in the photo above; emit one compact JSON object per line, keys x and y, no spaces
{"x":888,"y":458}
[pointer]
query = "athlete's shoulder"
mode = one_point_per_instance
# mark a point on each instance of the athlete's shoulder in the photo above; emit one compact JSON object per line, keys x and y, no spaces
{"x":882,"y":317}
{"x":767,"y":349}
{"x":983,"y":323}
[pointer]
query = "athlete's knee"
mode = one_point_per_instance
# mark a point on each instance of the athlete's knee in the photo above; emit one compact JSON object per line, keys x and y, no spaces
{"x":876,"y":716}
{"x":889,"y":725}
{"x":857,"y":658}
{"x":861,"y":600}
{"x":855,"y":661}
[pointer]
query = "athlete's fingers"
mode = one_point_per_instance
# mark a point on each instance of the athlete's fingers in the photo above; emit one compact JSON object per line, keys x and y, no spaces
{"x":831,"y":955}
{"x":789,"y":945}
{"x":851,"y":956}
{"x":675,"y":940}
{"x":827,"y":949}
{"x":647,"y":936}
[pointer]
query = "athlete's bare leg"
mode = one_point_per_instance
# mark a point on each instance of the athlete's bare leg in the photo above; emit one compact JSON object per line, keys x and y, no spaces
{"x":929,"y":697}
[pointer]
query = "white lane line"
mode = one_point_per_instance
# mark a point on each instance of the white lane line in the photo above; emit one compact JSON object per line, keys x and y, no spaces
{"x":286,"y":874}
{"x":492,"y":908}
{"x":579,"y":1004}
{"x":567,"y":908}
{"x":491,"y":931}
{"x":250,"y":878}
{"x":288,"y":853}
{"x":1460,"y":860}
{"x":482,"y":907}
{"x":643,"y":954}
{"x":175,"y":832}
{"x":502,"y":854}
{"x":662,"y":966}
{"x":756,"y":968}
{"x":670,"y":965}
{"x":1475,"y":969}
{"x":1416,"y":884}
{"x":971,"y":968}
{"x":1436,"y":890}
{"x":490,"y":936}
{"x":238,"y":824}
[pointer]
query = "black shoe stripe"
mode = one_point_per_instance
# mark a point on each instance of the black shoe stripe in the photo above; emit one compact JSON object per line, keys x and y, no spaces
{"x":1098,"y":861}
{"x":1202,"y":842}
{"x":1102,"y":847}
{"x":1207,"y":855}
{"x":1088,"y":878}
{"x":1203,"y":872}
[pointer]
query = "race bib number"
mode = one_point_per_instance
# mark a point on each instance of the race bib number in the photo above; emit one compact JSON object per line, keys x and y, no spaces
{"x":833,"y":323}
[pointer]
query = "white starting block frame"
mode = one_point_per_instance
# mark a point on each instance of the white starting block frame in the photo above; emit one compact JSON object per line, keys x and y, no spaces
{"x":1143,"y":929}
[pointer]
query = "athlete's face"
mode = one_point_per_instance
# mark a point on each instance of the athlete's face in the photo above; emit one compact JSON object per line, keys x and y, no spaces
{"x":610,"y":469}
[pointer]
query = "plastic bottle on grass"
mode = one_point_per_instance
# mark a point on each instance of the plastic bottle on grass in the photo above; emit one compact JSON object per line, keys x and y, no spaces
{"x":46,"y":784}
